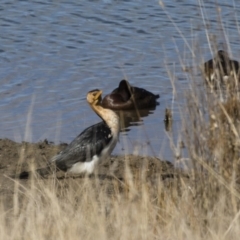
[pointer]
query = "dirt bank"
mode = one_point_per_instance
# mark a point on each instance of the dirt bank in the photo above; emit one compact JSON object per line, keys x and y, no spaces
{"x":17,"y":157}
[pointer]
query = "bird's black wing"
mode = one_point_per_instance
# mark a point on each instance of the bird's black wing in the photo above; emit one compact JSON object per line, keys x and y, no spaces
{"x":144,"y":98}
{"x":87,"y":144}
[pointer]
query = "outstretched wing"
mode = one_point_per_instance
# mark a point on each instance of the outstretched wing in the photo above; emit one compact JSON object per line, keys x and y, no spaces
{"x":87,"y":144}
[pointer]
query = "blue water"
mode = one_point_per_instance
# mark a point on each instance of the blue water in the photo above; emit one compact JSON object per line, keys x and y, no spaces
{"x":53,"y":52}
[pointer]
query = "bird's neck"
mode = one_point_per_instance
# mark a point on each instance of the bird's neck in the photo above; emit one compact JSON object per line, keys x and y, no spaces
{"x":109,"y":116}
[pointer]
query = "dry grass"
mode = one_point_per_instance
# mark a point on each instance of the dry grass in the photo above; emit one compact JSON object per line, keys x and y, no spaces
{"x":203,"y":207}
{"x":94,"y":209}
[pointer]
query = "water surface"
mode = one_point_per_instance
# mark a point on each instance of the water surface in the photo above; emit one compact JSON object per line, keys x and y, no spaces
{"x":53,"y":52}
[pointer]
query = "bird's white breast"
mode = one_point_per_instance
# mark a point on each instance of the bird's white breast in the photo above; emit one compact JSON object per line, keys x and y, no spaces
{"x":84,"y":167}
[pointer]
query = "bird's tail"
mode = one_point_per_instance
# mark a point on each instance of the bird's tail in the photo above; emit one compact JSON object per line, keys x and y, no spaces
{"x":42,"y":172}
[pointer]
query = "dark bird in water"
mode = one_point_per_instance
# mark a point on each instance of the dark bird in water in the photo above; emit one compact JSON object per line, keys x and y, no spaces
{"x":220,"y":68}
{"x":127,"y":97}
{"x":91,"y":146}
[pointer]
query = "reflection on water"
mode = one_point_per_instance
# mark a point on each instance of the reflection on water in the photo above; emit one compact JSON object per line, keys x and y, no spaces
{"x":129,"y":118}
{"x":53,"y":52}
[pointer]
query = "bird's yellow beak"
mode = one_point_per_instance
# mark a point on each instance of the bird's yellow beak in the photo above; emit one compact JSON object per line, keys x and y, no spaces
{"x":98,"y":95}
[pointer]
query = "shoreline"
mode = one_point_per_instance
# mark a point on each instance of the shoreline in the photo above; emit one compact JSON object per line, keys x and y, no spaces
{"x":17,"y":157}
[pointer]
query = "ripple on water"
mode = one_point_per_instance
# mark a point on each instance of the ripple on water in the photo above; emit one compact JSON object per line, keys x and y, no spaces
{"x":53,"y":52}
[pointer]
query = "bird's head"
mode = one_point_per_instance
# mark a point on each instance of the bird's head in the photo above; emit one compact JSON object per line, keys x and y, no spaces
{"x":94,"y":97}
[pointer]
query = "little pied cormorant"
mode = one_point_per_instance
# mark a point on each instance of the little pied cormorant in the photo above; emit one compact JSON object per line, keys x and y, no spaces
{"x":94,"y":144}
